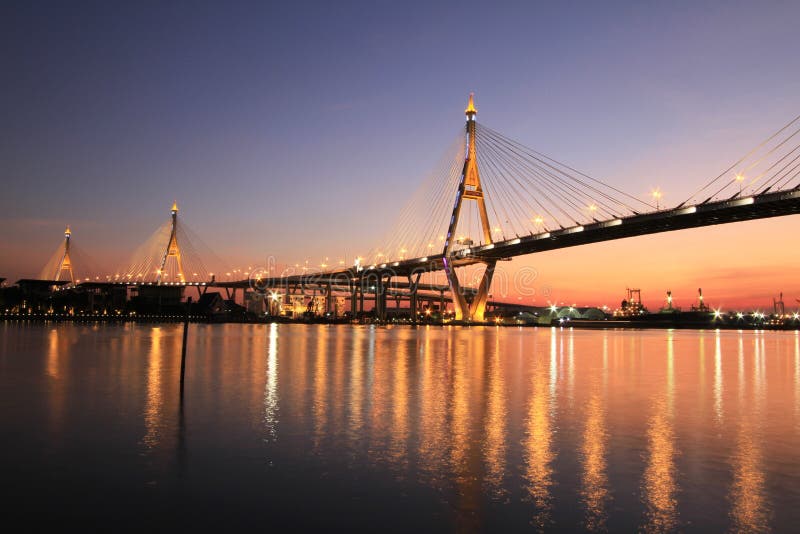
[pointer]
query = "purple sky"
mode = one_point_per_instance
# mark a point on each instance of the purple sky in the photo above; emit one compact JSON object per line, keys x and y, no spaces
{"x":281,"y":128}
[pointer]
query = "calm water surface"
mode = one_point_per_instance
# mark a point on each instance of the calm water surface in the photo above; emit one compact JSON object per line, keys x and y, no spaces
{"x":288,"y":427}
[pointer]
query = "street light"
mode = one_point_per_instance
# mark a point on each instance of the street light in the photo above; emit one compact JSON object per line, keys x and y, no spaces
{"x":656,"y":194}
{"x":740,"y":179}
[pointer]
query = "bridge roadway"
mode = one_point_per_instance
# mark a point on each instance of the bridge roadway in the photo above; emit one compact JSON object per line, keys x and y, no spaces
{"x":763,"y":206}
{"x":735,"y":209}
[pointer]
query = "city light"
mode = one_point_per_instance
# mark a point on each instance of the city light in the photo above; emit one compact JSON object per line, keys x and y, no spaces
{"x":740,"y":180}
{"x":656,"y":194}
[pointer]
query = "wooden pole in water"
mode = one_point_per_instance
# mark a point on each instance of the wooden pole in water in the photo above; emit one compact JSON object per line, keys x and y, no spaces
{"x":185,"y":335}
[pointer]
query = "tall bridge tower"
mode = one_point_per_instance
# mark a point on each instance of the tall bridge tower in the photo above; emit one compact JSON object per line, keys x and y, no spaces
{"x":65,"y":263}
{"x":469,"y":189}
{"x":173,"y":250}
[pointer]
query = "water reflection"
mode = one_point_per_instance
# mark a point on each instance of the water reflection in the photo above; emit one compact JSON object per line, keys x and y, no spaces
{"x":570,"y":366}
{"x":749,"y":510}
{"x":400,"y":400}
{"x":718,"y":378}
{"x":434,"y":403}
{"x":271,"y":389}
{"x":378,"y":400}
{"x":57,"y":353}
{"x":594,"y":483}
{"x":497,"y":429}
{"x":321,"y":401}
{"x":153,"y":406}
{"x":356,"y":387}
{"x":797,"y":379}
{"x":539,"y":439}
{"x":660,"y":477}
{"x":461,"y":410}
{"x":53,"y":360}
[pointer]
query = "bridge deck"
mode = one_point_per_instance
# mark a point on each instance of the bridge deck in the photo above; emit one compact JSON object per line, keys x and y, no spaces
{"x":762,"y":206}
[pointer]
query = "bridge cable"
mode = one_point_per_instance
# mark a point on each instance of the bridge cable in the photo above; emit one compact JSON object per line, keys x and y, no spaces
{"x":738,"y":162}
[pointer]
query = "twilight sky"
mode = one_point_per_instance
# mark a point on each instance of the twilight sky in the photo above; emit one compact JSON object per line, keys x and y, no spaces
{"x":299,"y":129}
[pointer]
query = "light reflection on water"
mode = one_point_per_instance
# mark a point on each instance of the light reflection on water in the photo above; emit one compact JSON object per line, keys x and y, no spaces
{"x":660,"y":477}
{"x":749,"y":511}
{"x":494,"y":448}
{"x":271,"y":389}
{"x":797,"y":381}
{"x":492,"y":428}
{"x":595,"y":494}
{"x":152,"y":412}
{"x":539,"y":441}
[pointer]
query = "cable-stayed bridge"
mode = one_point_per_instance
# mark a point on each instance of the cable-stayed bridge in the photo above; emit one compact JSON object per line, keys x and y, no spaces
{"x":492,"y":198}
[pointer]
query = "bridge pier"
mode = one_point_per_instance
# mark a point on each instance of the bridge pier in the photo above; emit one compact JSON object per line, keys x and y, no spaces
{"x":328,"y":296}
{"x":361,"y":301}
{"x":477,"y":309}
{"x":380,"y":300}
{"x":412,"y":299}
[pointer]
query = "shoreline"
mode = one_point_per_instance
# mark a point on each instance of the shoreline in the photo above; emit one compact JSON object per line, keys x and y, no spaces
{"x":609,"y":324}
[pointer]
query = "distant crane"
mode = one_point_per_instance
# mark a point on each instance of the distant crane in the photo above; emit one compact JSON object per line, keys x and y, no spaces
{"x":701,"y":305}
{"x":778,"y":307}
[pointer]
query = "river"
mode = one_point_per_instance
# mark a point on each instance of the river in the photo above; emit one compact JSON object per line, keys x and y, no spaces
{"x":318,"y":427}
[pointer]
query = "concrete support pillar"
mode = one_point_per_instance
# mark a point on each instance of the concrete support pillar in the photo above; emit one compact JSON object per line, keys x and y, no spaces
{"x":380,"y":300}
{"x":328,"y":297}
{"x":361,"y":299}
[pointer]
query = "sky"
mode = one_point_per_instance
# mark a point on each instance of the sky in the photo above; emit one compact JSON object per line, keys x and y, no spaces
{"x":297,"y":130}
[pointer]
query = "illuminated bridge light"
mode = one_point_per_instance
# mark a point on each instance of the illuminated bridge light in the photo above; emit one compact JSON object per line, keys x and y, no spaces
{"x":542,"y":236}
{"x":686,"y":211}
{"x":743,"y":201}
{"x":515,"y":241}
{"x":615,"y":222}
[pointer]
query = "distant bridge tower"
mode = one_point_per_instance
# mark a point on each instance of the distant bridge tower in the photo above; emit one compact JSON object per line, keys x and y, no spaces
{"x":469,"y":188}
{"x":173,"y":250}
{"x":65,"y":263}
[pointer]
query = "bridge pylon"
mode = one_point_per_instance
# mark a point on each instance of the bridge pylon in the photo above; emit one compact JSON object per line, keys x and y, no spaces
{"x":173,"y":250}
{"x":469,"y":189}
{"x":65,"y":263}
